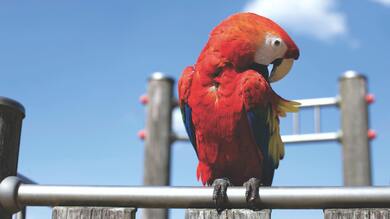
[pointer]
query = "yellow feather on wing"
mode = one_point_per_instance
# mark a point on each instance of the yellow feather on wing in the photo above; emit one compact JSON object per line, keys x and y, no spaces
{"x":285,"y":106}
{"x":276,"y":145}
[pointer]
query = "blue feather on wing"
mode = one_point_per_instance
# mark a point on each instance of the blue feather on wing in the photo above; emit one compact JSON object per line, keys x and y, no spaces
{"x":189,"y":126}
{"x":261,"y":132}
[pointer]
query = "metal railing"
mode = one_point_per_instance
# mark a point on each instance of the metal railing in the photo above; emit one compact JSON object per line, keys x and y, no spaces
{"x":159,"y":138}
{"x":353,"y":134}
{"x":297,"y":137}
{"x":23,"y":211}
{"x":15,"y":194}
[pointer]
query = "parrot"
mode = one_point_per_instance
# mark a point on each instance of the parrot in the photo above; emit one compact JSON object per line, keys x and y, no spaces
{"x":230,"y":111}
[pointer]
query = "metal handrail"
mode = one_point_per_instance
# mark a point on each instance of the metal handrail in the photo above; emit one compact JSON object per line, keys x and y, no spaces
{"x":313,"y":102}
{"x":14,"y":194}
{"x":291,"y":139}
{"x":318,"y":136}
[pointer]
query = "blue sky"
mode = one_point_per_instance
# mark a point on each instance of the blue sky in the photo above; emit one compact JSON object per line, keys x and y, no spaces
{"x":79,"y":68}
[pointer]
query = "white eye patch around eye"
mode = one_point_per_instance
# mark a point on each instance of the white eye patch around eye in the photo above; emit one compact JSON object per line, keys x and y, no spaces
{"x":272,"y":48}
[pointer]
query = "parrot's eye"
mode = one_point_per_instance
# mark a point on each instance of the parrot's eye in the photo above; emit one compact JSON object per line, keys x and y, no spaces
{"x":276,"y":43}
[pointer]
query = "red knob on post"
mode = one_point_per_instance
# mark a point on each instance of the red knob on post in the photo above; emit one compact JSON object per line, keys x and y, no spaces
{"x":371,"y":134}
{"x":142,"y":134}
{"x":370,"y":98}
{"x":144,"y":99}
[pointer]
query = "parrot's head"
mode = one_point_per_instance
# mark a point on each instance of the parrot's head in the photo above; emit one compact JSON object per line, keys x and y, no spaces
{"x":253,"y":40}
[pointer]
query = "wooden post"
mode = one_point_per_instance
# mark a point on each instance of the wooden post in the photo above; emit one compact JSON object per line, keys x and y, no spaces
{"x":93,"y":213}
{"x":230,"y":214}
{"x":359,"y":213}
{"x":11,"y":116}
{"x":354,"y":122}
{"x":158,"y":137}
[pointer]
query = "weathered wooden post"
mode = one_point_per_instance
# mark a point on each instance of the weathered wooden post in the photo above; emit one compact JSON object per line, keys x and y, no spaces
{"x":158,"y":137}
{"x":357,"y":213}
{"x":11,"y":116}
{"x":354,"y":123}
{"x":227,"y":214}
{"x":356,"y":144}
{"x":93,"y":213}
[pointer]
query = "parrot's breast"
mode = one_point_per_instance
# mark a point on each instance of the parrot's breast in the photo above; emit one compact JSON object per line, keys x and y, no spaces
{"x":224,"y":142}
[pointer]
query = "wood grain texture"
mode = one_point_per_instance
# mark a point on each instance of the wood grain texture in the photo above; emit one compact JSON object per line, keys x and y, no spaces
{"x":158,"y":139}
{"x":227,"y":214}
{"x":361,"y":213}
{"x":93,"y":213}
{"x":354,"y":124}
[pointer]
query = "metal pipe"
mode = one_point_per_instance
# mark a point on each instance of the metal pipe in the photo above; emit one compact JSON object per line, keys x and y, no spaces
{"x":317,"y":119}
{"x":295,"y":118}
{"x":309,"y":138}
{"x":326,"y":101}
{"x":201,"y":197}
{"x":292,"y":139}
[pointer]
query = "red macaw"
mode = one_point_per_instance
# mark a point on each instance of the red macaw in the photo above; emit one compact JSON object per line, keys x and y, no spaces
{"x":230,"y":111}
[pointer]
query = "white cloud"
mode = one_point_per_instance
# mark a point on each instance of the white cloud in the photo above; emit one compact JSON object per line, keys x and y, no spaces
{"x":383,"y":2}
{"x":315,"y":18}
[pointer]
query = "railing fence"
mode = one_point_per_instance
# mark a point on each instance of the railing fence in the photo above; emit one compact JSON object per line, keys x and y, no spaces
{"x":17,"y":193}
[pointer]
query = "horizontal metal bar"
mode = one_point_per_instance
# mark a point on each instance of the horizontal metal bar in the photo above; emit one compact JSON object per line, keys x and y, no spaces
{"x":291,"y":139}
{"x":309,"y":138}
{"x":15,"y":195}
{"x":326,"y":101}
{"x":201,"y":197}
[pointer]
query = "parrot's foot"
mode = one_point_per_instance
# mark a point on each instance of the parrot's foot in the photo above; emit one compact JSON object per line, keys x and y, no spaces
{"x":219,"y":194}
{"x":252,"y":191}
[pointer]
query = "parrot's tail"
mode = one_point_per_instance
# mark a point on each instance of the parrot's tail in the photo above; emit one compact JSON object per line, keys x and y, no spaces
{"x":203,"y":173}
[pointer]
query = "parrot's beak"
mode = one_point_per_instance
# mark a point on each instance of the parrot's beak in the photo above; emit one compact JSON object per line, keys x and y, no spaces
{"x":280,"y":68}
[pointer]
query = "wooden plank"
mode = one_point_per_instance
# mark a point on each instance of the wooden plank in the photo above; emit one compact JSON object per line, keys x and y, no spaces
{"x":59,"y":213}
{"x":93,"y":213}
{"x":360,"y":213}
{"x":227,"y":214}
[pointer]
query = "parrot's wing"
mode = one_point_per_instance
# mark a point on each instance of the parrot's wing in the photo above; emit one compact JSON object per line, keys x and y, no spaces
{"x":258,"y":121}
{"x":264,"y":122}
{"x":186,"y":112}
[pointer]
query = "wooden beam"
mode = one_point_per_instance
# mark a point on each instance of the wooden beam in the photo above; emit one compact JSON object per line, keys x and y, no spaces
{"x":93,"y":213}
{"x":231,"y":214}
{"x":357,"y":213}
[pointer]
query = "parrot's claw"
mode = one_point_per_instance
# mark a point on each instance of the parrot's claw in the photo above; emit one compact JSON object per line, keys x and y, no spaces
{"x":219,"y":194}
{"x":252,"y":191}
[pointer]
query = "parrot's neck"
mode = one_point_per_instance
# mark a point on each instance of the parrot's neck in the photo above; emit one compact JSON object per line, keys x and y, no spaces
{"x":261,"y":69}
